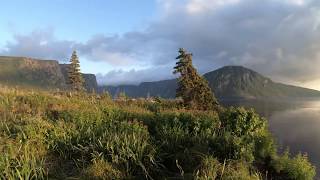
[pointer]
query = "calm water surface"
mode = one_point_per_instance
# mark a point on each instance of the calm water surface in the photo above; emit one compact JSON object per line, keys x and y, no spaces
{"x":294,"y":124}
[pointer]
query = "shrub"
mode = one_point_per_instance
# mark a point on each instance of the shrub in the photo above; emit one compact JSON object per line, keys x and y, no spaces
{"x":297,"y":168}
{"x":239,"y":133}
{"x":241,"y":122}
{"x":183,"y":136}
{"x":210,"y":168}
{"x":102,"y":169}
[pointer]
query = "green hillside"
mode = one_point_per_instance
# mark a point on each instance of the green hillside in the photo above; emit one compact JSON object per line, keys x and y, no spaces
{"x":21,"y":71}
{"x":226,"y":82}
{"x":39,"y":74}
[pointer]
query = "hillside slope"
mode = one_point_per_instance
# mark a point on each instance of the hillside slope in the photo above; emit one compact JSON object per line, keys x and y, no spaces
{"x":29,"y":72}
{"x":36,"y":73}
{"x":226,"y":82}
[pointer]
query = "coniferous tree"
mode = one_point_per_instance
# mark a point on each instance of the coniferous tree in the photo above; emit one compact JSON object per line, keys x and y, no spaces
{"x":192,"y":88}
{"x":76,"y":81}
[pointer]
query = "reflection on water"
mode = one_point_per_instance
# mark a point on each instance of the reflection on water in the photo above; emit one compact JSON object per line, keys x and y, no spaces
{"x":294,"y":123}
{"x":298,"y":129}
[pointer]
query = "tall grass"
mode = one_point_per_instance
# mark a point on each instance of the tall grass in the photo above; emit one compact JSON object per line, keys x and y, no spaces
{"x":22,"y":162}
{"x":66,"y":135}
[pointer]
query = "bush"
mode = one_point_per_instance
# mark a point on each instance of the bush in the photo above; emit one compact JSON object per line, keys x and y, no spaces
{"x":297,"y":168}
{"x":240,"y":132}
{"x":102,"y":169}
{"x":210,"y":168}
{"x":241,"y":122}
{"x":183,"y":136}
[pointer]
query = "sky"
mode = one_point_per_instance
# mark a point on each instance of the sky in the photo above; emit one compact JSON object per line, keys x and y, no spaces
{"x":130,"y":41}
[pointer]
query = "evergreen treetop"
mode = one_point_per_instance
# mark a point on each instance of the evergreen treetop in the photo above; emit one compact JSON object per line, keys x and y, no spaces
{"x":192,"y":88}
{"x":76,"y":81}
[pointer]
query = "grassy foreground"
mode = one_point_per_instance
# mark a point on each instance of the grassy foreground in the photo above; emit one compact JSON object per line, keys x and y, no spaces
{"x":86,"y":136}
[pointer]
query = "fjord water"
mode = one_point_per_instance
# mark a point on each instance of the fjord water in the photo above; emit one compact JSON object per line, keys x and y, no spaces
{"x":294,"y":123}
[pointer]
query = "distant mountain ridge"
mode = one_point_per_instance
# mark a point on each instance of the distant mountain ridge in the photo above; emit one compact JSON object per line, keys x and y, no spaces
{"x":36,"y":73}
{"x":226,"y":82}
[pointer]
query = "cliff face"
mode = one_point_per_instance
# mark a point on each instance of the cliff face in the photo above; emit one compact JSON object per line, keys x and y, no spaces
{"x":35,"y":73}
{"x":29,"y":72}
{"x":90,"y":81}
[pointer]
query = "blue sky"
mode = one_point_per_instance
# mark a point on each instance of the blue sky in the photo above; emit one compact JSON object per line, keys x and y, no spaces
{"x":131,"y":41}
{"x":75,"y":20}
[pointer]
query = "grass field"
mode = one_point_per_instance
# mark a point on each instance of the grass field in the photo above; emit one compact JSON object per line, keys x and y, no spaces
{"x":61,"y":135}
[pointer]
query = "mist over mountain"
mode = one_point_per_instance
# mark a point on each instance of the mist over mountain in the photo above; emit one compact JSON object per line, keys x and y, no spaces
{"x":226,"y":82}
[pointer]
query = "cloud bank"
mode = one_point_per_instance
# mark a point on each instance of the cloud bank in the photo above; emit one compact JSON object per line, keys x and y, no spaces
{"x":279,"y":38}
{"x":38,"y":44}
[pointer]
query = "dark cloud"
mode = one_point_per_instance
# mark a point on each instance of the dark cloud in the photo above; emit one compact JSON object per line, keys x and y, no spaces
{"x":278,"y":38}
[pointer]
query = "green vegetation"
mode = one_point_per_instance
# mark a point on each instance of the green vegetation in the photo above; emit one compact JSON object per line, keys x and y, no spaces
{"x":38,"y":74}
{"x":75,"y":79}
{"x":29,"y":72}
{"x":88,"y":136}
{"x":192,"y":88}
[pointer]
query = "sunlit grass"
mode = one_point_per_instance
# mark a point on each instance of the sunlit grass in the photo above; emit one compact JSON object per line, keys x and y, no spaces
{"x":61,"y":135}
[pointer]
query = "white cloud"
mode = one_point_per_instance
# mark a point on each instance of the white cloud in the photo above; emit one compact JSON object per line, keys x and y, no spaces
{"x":297,"y":2}
{"x":113,"y":58}
{"x":133,"y":76}
{"x":198,"y":6}
{"x":38,"y":44}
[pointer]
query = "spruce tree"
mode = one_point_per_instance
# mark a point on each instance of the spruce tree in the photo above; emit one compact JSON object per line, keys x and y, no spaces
{"x":76,"y":81}
{"x":192,"y":88}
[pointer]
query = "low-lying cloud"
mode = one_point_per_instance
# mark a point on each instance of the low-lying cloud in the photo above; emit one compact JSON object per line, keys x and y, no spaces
{"x":279,"y":38}
{"x":121,"y":77}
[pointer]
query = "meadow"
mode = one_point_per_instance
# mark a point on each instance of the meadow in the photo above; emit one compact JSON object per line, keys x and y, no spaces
{"x":65,"y":135}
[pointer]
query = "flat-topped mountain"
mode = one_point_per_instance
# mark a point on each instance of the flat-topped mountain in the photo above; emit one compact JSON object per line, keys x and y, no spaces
{"x":36,"y":73}
{"x":226,"y":82}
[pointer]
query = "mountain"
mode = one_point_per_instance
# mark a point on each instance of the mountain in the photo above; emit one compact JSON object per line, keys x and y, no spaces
{"x":226,"y":82}
{"x":36,"y":73}
{"x":165,"y":89}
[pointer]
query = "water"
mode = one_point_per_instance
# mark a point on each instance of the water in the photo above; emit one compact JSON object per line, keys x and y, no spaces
{"x":294,"y":124}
